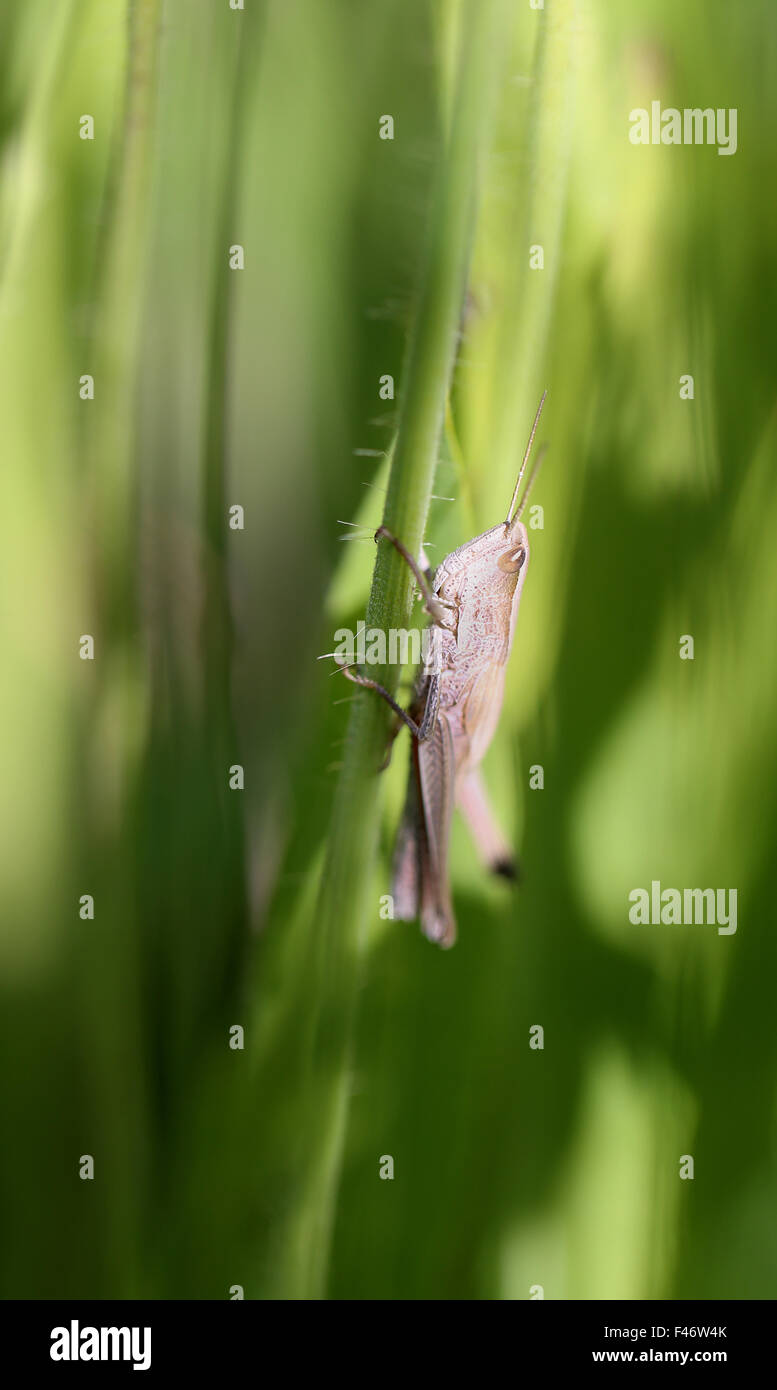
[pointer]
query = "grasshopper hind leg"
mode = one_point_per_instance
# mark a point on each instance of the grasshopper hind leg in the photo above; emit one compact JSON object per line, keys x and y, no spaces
{"x":491,"y":844}
{"x":368,"y":684}
{"x":509,"y":868}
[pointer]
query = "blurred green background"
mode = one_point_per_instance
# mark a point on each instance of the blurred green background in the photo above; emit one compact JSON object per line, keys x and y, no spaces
{"x":513,"y":1167}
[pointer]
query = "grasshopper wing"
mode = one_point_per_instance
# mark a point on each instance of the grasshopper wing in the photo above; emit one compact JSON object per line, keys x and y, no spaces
{"x":437,"y":776}
{"x":482,"y":708}
{"x":420,"y":872}
{"x":411,"y":853}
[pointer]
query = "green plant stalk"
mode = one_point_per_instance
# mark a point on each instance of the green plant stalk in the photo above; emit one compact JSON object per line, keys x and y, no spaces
{"x":217,"y":630}
{"x":519,"y":359}
{"x":345,"y":907}
{"x":119,"y":318}
{"x":111,"y":1009}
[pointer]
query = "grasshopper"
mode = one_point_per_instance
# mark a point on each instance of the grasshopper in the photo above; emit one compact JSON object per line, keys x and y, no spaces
{"x":473,"y":599}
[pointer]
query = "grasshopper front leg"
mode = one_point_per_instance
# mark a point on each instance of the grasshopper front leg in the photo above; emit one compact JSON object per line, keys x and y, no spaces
{"x":367,"y":684}
{"x":420,"y":730}
{"x":436,"y":607}
{"x":438,"y":610}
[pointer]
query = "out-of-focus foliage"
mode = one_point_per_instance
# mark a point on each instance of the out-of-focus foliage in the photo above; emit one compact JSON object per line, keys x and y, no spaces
{"x":513,"y":1167}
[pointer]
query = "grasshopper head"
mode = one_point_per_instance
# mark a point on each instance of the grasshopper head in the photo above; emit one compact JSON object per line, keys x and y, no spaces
{"x":512,"y":547}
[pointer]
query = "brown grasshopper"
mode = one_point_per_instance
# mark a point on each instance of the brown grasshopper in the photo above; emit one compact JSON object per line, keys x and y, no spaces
{"x":472,"y":599}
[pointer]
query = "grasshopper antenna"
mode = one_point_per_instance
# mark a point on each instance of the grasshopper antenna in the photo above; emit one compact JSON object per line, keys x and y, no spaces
{"x":543,"y":451}
{"x":522,"y":469}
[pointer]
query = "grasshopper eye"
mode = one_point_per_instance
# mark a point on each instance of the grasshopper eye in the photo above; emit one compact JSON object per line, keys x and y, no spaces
{"x":512,"y":560}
